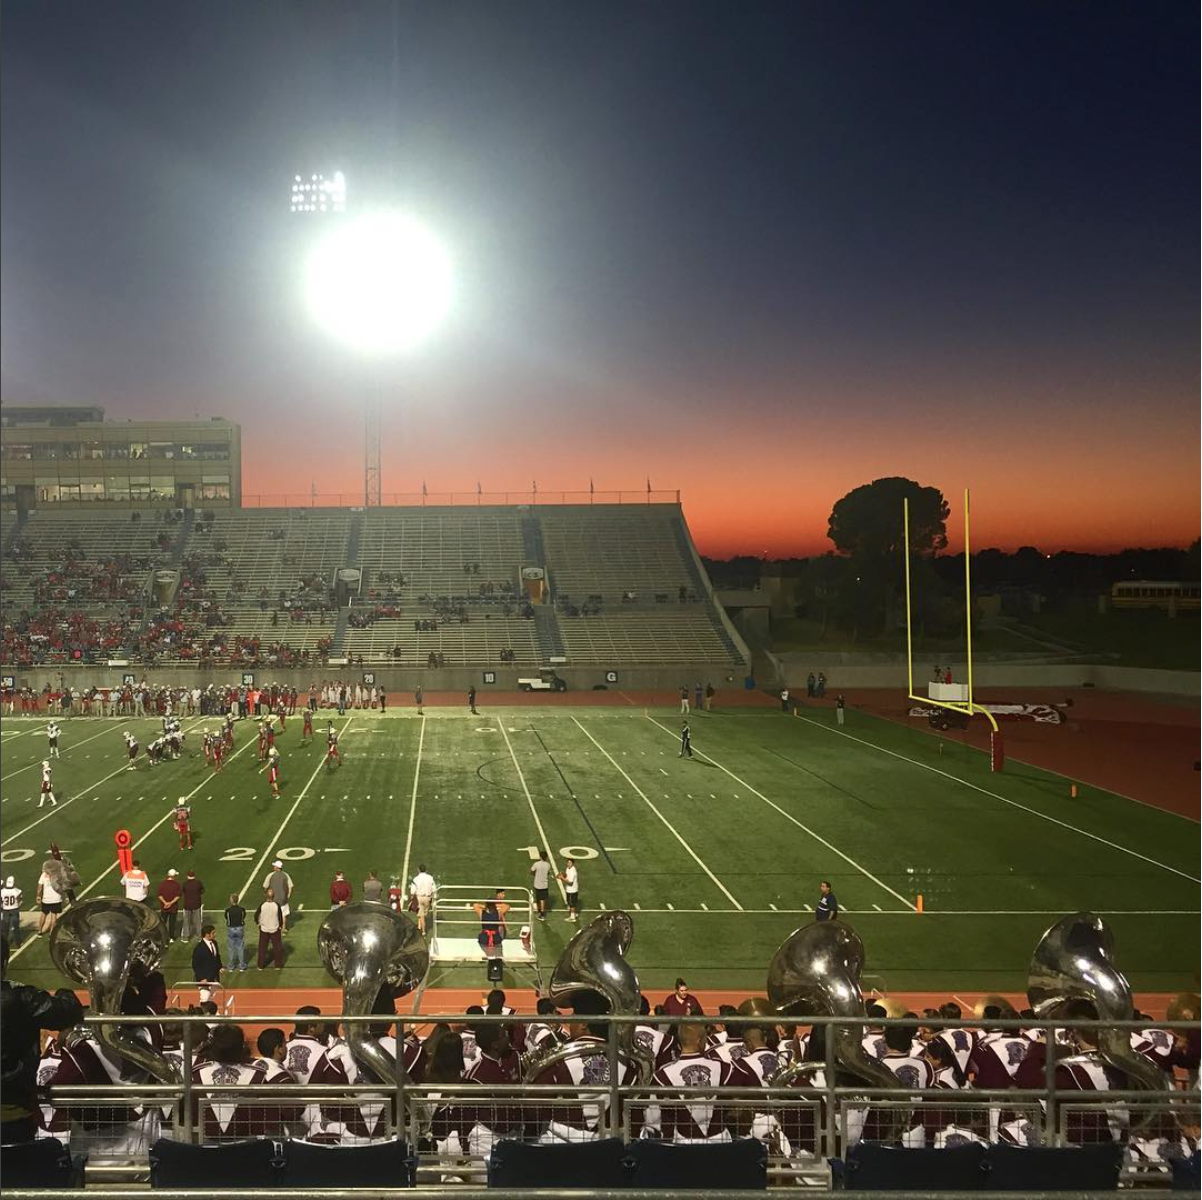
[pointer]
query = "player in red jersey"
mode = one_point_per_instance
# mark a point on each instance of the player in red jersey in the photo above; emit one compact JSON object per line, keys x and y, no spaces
{"x":332,"y":751}
{"x":281,"y":711}
{"x":270,"y":728}
{"x":219,"y":747}
{"x":207,"y":743}
{"x":262,"y":740}
{"x":273,"y":770}
{"x":307,"y":725}
{"x":183,"y":824}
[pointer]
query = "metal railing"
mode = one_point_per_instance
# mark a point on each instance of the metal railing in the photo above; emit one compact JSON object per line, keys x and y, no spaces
{"x":469,"y":498}
{"x":479,"y":1192}
{"x":453,"y":1125}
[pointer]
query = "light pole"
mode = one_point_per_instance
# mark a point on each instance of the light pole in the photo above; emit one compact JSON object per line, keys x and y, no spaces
{"x":379,"y":284}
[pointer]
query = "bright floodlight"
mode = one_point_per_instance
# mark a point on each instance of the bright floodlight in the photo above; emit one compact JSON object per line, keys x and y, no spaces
{"x":380,"y":283}
{"x":317,"y":194}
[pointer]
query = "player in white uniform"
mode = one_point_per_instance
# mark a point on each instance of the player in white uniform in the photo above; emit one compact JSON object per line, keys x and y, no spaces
{"x":52,"y":736}
{"x":47,"y":786}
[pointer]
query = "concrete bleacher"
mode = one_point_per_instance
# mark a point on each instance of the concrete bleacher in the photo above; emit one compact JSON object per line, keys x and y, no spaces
{"x":628,"y":589}
{"x":80,"y":542}
{"x":624,"y":584}
{"x":615,"y":550}
{"x":431,"y":547}
{"x":438,"y":565}
{"x":684,"y":635}
{"x":395,"y":640}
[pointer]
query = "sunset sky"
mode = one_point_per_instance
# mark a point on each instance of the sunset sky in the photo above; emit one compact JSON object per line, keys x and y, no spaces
{"x":762,"y":253}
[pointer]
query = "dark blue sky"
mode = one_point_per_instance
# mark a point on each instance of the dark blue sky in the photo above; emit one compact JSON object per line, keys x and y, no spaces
{"x":713,"y":243}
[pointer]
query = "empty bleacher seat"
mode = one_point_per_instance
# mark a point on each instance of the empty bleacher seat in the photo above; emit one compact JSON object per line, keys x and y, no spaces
{"x":600,"y":1164}
{"x":381,"y":1164}
{"x":46,"y":1163}
{"x":739,"y":1165}
{"x":178,"y":1165}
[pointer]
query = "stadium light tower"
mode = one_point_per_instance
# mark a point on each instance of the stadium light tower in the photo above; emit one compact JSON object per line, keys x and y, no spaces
{"x":378,"y":283}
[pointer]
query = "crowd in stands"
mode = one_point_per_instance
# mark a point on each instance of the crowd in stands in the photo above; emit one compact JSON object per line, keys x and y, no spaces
{"x":56,"y":635}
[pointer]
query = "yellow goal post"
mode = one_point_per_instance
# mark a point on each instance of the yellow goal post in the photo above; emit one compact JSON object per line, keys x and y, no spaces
{"x":970,"y":707}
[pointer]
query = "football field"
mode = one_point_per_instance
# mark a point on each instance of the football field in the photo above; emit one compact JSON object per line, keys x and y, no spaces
{"x":717,"y":858}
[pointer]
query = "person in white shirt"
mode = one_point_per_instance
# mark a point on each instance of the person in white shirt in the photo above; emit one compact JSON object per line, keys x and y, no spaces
{"x":423,"y":889}
{"x":10,"y":911}
{"x":50,"y":899}
{"x":541,"y":870}
{"x":52,"y":735}
{"x":136,"y":883}
{"x":571,"y":887}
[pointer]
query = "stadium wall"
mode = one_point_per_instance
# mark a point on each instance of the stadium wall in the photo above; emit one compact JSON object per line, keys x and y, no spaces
{"x":840,"y":676}
{"x":844,"y":671}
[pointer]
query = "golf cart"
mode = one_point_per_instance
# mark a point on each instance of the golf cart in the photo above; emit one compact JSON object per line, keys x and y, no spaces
{"x":547,"y":680}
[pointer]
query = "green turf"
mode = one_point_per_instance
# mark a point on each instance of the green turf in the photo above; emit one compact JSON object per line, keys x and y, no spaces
{"x":771,"y":805}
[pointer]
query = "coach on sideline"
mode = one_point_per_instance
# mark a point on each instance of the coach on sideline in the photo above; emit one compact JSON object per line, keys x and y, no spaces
{"x":828,"y":906}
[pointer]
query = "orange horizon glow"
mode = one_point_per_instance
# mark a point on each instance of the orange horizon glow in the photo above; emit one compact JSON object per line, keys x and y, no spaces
{"x":1097,"y":486}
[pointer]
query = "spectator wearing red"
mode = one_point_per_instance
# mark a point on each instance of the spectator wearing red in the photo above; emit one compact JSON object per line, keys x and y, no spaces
{"x":682,"y":1003}
{"x":340,"y":891}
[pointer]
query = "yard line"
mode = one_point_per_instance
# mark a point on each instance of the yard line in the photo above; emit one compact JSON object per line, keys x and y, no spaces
{"x":59,"y":808}
{"x":284,"y":824}
{"x":668,"y":824}
{"x":542,"y":833}
{"x":108,"y":870}
{"x":789,"y":817}
{"x":417,"y":768}
{"x":1013,"y":803}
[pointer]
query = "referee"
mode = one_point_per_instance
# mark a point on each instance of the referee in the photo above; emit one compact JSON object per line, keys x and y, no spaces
{"x":828,"y":906}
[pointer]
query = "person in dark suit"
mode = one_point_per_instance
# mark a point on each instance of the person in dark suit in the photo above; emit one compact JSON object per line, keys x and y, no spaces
{"x":206,"y":957}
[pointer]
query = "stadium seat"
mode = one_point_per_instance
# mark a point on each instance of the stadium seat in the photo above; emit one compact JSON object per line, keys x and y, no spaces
{"x":177,"y":1165}
{"x":734,"y":1165}
{"x":1186,"y":1175}
{"x":384,"y":1164}
{"x":602,"y":1164}
{"x":873,"y":1168}
{"x":46,"y":1163}
{"x":1053,"y":1169}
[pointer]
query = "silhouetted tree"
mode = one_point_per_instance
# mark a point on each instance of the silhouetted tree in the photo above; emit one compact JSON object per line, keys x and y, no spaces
{"x":867,"y":526}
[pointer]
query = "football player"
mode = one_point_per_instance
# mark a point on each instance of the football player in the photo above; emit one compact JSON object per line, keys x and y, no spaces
{"x":52,"y":735}
{"x":131,"y":746}
{"x":47,"y":786}
{"x":307,"y":726}
{"x":332,"y":751}
{"x":183,"y":824}
{"x":273,"y":770}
